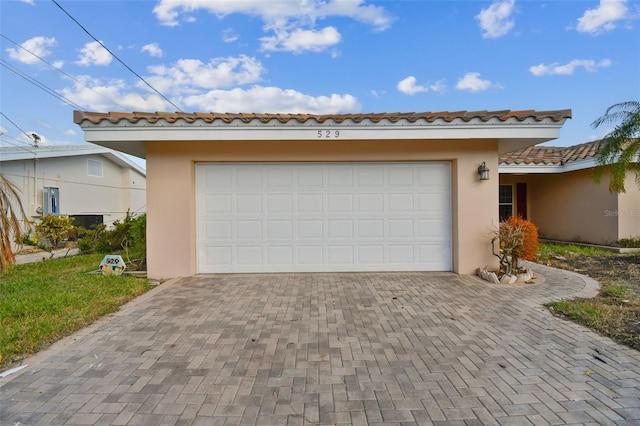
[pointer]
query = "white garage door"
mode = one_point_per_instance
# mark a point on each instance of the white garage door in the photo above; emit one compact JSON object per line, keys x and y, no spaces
{"x":314,"y":217}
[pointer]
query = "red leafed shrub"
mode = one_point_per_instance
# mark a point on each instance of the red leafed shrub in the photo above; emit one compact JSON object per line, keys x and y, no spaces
{"x":518,"y":239}
{"x":529,"y":247}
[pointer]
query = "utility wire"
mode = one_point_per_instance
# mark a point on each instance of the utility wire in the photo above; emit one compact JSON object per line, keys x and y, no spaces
{"x":38,"y":84}
{"x":117,"y":58}
{"x":18,"y":127}
{"x":14,"y":139}
{"x":16,"y":145}
{"x":60,"y":70}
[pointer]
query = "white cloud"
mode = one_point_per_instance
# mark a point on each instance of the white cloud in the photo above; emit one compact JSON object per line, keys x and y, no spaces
{"x":603,"y":18}
{"x":300,"y":40}
{"x":37,"y":46}
{"x":168,"y":11}
{"x":229,"y":36}
{"x":271,"y":99}
{"x":569,"y":68}
{"x":409,"y":87}
{"x":292,"y":22}
{"x":153,"y":49}
{"x":495,"y":21}
{"x":438,"y":87}
{"x":70,"y":132}
{"x":94,"y":54}
{"x":472,"y":82}
{"x":192,"y":75}
{"x":31,"y":2}
{"x":96,"y":95}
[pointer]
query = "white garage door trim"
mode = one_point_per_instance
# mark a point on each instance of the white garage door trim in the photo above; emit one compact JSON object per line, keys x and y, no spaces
{"x":323,"y":217}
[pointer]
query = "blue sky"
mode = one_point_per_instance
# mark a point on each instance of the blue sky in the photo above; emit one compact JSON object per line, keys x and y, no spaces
{"x":314,"y":56}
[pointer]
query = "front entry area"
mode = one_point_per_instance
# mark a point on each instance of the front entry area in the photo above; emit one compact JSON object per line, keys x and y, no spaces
{"x":323,"y":217}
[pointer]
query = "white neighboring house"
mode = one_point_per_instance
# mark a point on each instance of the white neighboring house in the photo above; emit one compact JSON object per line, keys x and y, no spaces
{"x":91,"y":183}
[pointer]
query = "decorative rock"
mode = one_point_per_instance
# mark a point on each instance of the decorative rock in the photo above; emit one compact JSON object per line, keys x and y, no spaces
{"x":487,"y":275}
{"x":508,"y":279}
{"x":524,"y":277}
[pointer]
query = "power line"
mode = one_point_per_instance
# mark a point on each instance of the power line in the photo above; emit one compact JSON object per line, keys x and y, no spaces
{"x":59,"y":70}
{"x":18,"y":127}
{"x":117,"y":58}
{"x":38,"y":84}
{"x":17,"y":146}
{"x":15,"y":139}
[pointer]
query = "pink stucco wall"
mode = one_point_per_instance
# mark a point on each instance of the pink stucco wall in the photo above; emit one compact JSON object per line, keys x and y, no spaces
{"x":571,"y":207}
{"x":171,"y":223}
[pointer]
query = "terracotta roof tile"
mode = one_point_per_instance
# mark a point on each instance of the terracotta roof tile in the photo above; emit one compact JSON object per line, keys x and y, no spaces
{"x":394,"y":117}
{"x":551,"y":155}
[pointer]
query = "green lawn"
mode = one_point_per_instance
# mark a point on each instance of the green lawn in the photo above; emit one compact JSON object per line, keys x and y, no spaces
{"x":45,"y":301}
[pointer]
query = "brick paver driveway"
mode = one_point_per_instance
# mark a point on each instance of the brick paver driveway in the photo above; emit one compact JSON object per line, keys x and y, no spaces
{"x":377,"y":348}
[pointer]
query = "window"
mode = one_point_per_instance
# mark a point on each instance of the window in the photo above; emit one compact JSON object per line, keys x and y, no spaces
{"x":505,"y":202}
{"x":51,"y":201}
{"x":94,"y":168}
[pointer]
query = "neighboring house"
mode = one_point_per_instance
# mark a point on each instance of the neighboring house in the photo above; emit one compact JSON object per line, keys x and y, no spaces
{"x":553,"y":188}
{"x":91,"y":183}
{"x":310,"y":193}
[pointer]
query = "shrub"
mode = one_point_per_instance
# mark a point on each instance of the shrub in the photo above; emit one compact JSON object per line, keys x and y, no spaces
{"x":54,"y":229}
{"x":530,"y":246}
{"x":128,"y":235}
{"x":518,"y":239}
{"x":629,"y":242}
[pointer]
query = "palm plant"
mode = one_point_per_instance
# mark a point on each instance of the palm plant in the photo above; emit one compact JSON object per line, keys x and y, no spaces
{"x":620,"y":148}
{"x":13,"y":221}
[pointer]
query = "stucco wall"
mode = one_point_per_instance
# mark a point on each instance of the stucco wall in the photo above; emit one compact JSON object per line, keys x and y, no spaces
{"x":80,"y":194}
{"x":569,"y":206}
{"x":629,"y":209}
{"x":171,"y":223}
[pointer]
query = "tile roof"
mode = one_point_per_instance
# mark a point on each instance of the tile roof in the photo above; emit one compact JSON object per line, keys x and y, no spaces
{"x":171,"y":117}
{"x":550,"y":155}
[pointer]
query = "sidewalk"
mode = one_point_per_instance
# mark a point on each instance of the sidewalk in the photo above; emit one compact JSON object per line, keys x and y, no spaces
{"x":43,"y":255}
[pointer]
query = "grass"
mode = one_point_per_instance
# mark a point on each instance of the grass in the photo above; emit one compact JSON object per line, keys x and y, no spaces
{"x":45,"y":301}
{"x":548,"y":250}
{"x":615,"y":311}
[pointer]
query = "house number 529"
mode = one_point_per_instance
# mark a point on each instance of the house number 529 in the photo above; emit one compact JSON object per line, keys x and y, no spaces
{"x":328,"y":134}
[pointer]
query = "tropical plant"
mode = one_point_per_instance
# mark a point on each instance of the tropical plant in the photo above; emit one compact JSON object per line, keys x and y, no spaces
{"x":620,"y":148}
{"x":54,"y":229}
{"x":13,"y":221}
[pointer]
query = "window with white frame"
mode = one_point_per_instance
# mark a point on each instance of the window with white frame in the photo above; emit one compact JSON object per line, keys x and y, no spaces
{"x":505,"y":202}
{"x":94,"y":168}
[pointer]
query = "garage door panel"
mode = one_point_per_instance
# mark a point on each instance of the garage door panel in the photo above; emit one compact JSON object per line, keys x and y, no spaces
{"x":401,"y":202}
{"x":279,"y":203}
{"x":323,"y":217}
{"x":311,"y":177}
{"x":311,"y":228}
{"x":248,"y":203}
{"x":218,"y":203}
{"x":370,"y":203}
{"x":248,"y":230}
{"x":341,"y":254}
{"x":218,"y":230}
{"x":280,"y":229}
{"x":370,"y":177}
{"x":371,"y":254}
{"x":249,"y":255}
{"x":340,"y":177}
{"x":310,"y":254}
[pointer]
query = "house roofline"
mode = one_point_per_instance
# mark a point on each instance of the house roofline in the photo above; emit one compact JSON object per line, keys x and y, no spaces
{"x":541,"y":168}
{"x":130,"y":132}
{"x":59,"y":151}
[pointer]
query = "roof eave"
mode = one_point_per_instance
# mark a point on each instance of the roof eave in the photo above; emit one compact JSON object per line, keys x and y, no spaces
{"x":131,"y":138}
